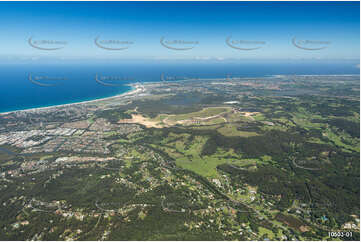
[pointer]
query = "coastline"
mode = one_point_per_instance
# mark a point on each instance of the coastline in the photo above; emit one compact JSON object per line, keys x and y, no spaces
{"x":136,"y":88}
{"x":139,"y":87}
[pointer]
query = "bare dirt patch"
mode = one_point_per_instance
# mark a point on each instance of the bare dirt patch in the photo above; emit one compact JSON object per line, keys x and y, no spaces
{"x":139,"y":119}
{"x":249,"y":114}
{"x":171,"y":120}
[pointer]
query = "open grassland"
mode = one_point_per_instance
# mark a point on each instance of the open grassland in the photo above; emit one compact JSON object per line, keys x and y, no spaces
{"x":205,"y":166}
{"x":231,"y":130}
{"x":206,"y":113}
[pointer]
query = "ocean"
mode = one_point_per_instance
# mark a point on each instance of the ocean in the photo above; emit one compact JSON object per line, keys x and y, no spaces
{"x":31,"y":85}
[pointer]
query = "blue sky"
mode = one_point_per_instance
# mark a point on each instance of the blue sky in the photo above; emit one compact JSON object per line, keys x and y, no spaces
{"x":274,"y":24}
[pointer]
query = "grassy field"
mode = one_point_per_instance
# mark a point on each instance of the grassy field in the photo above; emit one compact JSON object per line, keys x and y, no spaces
{"x":205,"y":166}
{"x":267,"y":232}
{"x":231,"y":130}
{"x":206,"y":112}
{"x":337,"y":139}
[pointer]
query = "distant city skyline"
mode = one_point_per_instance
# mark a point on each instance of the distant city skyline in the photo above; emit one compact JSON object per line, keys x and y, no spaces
{"x":180,"y":30}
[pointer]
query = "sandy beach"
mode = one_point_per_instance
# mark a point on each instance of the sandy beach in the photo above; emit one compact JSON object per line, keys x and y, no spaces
{"x":139,"y":88}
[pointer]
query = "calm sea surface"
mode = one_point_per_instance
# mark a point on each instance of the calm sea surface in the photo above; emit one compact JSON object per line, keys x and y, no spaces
{"x":24,"y":86}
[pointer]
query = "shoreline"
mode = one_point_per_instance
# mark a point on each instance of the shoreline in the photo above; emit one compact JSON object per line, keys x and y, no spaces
{"x":136,"y":89}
